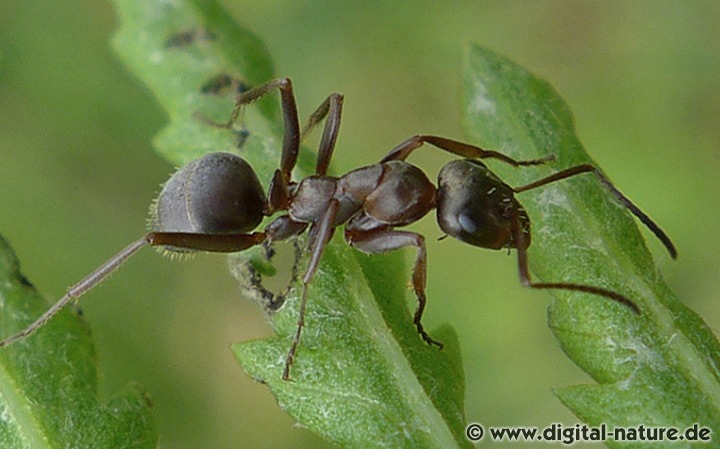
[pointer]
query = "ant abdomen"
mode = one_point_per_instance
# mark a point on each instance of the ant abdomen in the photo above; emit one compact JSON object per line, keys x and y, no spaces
{"x":218,"y":193}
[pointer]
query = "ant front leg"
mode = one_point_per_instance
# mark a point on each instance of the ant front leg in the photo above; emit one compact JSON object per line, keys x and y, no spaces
{"x":402,"y":151}
{"x":381,"y":241}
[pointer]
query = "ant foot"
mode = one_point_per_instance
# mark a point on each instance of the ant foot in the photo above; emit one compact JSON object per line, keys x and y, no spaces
{"x":427,"y":339}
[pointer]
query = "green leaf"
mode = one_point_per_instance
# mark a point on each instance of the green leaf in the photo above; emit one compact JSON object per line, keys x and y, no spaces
{"x":659,"y":368}
{"x":362,"y":376}
{"x":48,"y":383}
{"x":183,"y":51}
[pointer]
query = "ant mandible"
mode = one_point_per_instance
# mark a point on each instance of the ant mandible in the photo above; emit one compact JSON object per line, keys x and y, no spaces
{"x":216,"y":202}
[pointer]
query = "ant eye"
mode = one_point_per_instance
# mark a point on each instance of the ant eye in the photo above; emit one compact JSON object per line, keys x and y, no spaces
{"x":468,"y":223}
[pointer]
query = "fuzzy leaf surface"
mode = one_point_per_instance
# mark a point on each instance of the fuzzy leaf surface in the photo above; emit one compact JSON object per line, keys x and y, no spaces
{"x":49,"y":382}
{"x":658,"y":368}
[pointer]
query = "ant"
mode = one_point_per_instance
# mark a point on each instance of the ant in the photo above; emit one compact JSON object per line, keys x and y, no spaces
{"x":216,"y":203}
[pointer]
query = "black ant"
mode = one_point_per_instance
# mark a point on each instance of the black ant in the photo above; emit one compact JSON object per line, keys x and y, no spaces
{"x":216,"y":202}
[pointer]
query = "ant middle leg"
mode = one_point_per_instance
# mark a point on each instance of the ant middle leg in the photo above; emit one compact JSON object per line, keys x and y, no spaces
{"x":320,"y":233}
{"x":383,"y":240}
{"x":402,"y":151}
{"x":283,"y":228}
{"x":331,"y":109}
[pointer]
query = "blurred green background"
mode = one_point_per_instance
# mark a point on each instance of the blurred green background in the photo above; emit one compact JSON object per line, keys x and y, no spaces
{"x":77,"y":174}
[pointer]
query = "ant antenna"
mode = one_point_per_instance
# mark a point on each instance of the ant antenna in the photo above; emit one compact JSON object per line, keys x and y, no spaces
{"x":625,"y":201}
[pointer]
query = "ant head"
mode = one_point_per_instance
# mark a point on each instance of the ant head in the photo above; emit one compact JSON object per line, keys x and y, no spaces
{"x":218,"y":193}
{"x":476,"y":207}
